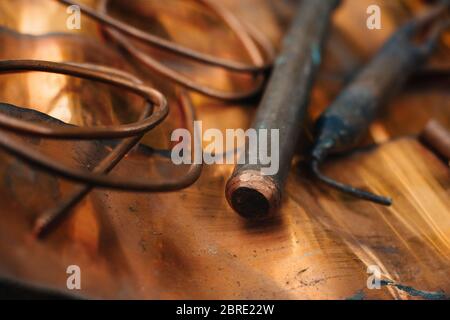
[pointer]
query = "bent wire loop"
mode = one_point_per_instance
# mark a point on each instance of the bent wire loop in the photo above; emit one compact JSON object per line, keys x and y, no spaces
{"x":87,"y":71}
{"x":252,"y":40}
{"x":154,"y":113}
{"x":50,"y":218}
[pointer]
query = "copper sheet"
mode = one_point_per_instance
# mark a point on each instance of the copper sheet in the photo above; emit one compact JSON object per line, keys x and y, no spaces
{"x":190,"y":244}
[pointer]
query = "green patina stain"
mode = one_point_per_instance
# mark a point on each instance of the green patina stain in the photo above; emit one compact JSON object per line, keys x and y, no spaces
{"x":316,"y":54}
{"x":439,"y":295}
{"x":357,"y":296}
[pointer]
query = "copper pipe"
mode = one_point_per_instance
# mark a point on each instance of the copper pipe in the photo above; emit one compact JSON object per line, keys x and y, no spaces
{"x":251,"y":193}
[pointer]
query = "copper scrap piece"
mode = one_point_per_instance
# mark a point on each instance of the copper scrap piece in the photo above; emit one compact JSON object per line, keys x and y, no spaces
{"x":51,"y":218}
{"x":283,"y":107}
{"x":247,"y":35}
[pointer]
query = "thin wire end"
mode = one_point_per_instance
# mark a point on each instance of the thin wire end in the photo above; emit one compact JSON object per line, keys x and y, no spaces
{"x":358,"y":193}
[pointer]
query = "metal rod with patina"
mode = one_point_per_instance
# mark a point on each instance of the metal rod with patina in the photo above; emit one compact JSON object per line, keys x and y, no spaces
{"x":250,"y":192}
{"x":347,"y":120}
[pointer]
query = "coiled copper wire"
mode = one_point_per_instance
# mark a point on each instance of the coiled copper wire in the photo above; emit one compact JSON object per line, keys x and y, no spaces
{"x":154,"y":113}
{"x":251,"y":39}
{"x":92,"y":72}
{"x":27,"y":154}
{"x":46,"y":222}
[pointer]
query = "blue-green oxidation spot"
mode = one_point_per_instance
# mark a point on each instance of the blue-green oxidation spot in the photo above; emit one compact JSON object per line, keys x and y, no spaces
{"x":262,"y":126}
{"x":280,"y":60}
{"x":315,"y":54}
{"x":357,"y":296}
{"x":414,"y":292}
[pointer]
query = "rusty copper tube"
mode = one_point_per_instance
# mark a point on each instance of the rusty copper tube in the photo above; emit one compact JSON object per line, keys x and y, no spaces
{"x":283,"y":107}
{"x":50,"y":219}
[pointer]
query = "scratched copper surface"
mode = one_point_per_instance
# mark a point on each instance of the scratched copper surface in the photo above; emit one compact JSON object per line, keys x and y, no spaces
{"x":190,"y":244}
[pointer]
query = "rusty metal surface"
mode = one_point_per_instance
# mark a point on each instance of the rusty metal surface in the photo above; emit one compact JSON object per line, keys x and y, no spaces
{"x":189,"y":243}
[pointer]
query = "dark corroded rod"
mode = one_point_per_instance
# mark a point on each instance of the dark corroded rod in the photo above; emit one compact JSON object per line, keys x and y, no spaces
{"x":347,"y":120}
{"x":249,"y":191}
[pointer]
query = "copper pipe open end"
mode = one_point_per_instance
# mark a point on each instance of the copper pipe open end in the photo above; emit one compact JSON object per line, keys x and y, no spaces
{"x":39,"y":228}
{"x":437,"y":137}
{"x":253,"y":195}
